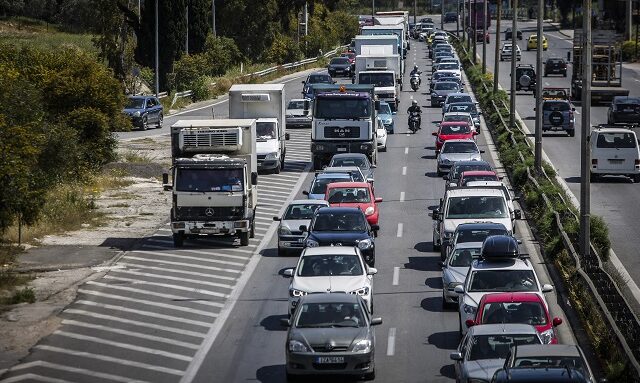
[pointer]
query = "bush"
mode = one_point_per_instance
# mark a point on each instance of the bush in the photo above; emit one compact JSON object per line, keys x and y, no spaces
{"x":188,"y":70}
{"x":629,"y":51}
{"x":200,"y":88}
{"x":221,"y":53}
{"x":283,"y":50}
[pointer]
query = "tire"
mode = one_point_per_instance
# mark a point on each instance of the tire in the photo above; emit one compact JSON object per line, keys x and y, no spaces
{"x":244,"y":238}
{"x":278,"y":168}
{"x":284,"y":154}
{"x":160,"y":119}
{"x":178,"y":239}
{"x":636,"y":178}
{"x":145,"y":124}
{"x":571,"y":132}
{"x":594,"y":177}
{"x":252,"y":233}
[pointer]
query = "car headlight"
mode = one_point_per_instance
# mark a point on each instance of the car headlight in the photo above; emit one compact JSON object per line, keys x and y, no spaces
{"x":294,"y":293}
{"x":365,"y":244}
{"x":311,"y":243}
{"x":362,"y":346}
{"x":370,"y":210}
{"x":363,"y":291}
{"x":388,"y":122}
{"x":271,"y":156}
{"x":452,"y":285}
{"x":471,"y":310}
{"x":283,"y":230}
{"x":297,"y":346}
{"x":136,"y":114}
{"x":547,"y":336}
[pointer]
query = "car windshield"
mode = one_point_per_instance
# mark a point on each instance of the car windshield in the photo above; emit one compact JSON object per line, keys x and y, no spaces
{"x":477,"y":207}
{"x":616,"y":140}
{"x":329,"y":264}
{"x":487,"y":177}
{"x":351,"y":221}
{"x":445,"y":86}
{"x":342,"y":107}
{"x":455,"y":129}
{"x":465,"y":108}
{"x":266,"y":130}
{"x":478,"y":235}
{"x":327,"y":315}
{"x":135,"y":103}
{"x":301,"y":211}
{"x":384,"y":109}
{"x":209,"y":180}
{"x":349,"y":195}
{"x":457,"y":169}
{"x":549,"y":361}
{"x":514,"y":312}
{"x":456,"y":118}
{"x":319,"y":79}
{"x":376,"y":79}
{"x":559,"y":106}
{"x":319,"y":185}
{"x":504,"y":281}
{"x":628,"y":100}
{"x":340,"y":60}
{"x":297,"y":104}
{"x":360,"y":162}
{"x":458,"y":98}
{"x":463,"y":257}
{"x":459,"y":147}
{"x":498,"y":346}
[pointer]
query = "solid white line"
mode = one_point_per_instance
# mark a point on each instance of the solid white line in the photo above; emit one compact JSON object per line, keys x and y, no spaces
{"x":126,"y":346}
{"x":167,"y":285}
{"x":148,"y":303}
{"x":391,"y":342}
{"x":180,"y":256}
{"x":396,"y":275}
{"x":401,"y":196}
{"x":264,"y":223}
{"x":406,"y":150}
{"x":172,"y":278}
{"x":75,"y":370}
{"x":184,"y":264}
{"x":399,"y":232}
{"x":105,"y":358}
{"x":154,"y":293}
{"x":144,"y":313}
{"x":34,"y":377}
{"x":135,"y":322}
{"x":137,"y":266}
{"x":404,"y":170}
{"x":131,"y":333}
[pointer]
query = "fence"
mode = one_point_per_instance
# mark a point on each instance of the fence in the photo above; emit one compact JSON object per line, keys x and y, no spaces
{"x":591,"y":271}
{"x":264,"y":72}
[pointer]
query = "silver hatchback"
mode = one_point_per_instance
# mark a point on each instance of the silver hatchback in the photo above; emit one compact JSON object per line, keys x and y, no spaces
{"x":298,"y":213}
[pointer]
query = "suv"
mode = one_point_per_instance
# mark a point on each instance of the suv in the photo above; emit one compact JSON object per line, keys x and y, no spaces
{"x":624,"y":109}
{"x":557,"y":111}
{"x":555,"y":65}
{"x":614,"y":151}
{"x":144,"y":111}
{"x":505,"y":52}
{"x":526,"y":78}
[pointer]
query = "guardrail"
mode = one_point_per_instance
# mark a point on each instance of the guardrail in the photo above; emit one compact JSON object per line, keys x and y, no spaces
{"x":264,"y":72}
{"x":599,"y":283}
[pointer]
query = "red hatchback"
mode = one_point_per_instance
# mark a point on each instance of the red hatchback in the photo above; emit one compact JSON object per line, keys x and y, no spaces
{"x":527,"y":308}
{"x":453,"y":130}
{"x":477,"y":175}
{"x":354,"y":194}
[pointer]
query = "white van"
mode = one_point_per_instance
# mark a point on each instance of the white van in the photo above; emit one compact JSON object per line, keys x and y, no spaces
{"x":614,"y":151}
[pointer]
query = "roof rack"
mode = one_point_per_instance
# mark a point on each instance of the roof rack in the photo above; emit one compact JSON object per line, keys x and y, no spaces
{"x":620,"y":125}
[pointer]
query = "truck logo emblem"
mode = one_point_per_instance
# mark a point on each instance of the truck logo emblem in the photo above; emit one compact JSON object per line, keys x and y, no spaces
{"x":328,"y":347}
{"x":208,"y":212}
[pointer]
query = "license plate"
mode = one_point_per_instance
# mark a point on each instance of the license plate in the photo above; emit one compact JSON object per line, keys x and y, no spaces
{"x":329,"y":359}
{"x":616,"y":161}
{"x":209,"y":231}
{"x":342,"y":149}
{"x":628,"y":110}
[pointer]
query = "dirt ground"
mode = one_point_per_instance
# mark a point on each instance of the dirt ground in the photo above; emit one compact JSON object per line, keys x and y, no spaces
{"x":131,"y":212}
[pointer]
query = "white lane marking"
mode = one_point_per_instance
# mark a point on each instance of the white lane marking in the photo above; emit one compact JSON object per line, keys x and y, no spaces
{"x":125,"y":346}
{"x":401,"y":196}
{"x":396,"y":275}
{"x":155,"y":293}
{"x":75,"y":370}
{"x":186,"y":257}
{"x":137,"y":266}
{"x":33,"y":378}
{"x":172,"y":278}
{"x":184,"y":264}
{"x":391,"y":342}
{"x":399,"y":231}
{"x":404,"y":170}
{"x":130,"y":333}
{"x":546,"y":83}
{"x":113,"y":318}
{"x":144,"y":313}
{"x":105,"y":358}
{"x":406,"y":150}
{"x":166,"y":285}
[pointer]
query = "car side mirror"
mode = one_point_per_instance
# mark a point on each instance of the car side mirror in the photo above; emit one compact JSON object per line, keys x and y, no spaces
{"x":372,"y":271}
{"x":546,"y":288}
{"x":304,"y":192}
{"x":287,"y":136}
{"x":376,"y":321}
{"x":557,"y":321}
{"x":517,"y":214}
{"x":573,"y":109}
{"x":456,"y":355}
{"x":441,"y":264}
{"x":534,"y":108}
{"x":458,"y":289}
{"x":475,"y":132}
{"x":434,"y":134}
{"x":285,"y":322}
{"x":304,"y":82}
{"x":165,"y":182}
{"x":277,"y":219}
{"x":303,"y":228}
{"x":470,"y":322}
{"x":481,"y":150}
{"x":373,"y":166}
{"x":375,"y":227}
{"x":288,"y":273}
{"x":378,"y":199}
{"x":254,"y":178}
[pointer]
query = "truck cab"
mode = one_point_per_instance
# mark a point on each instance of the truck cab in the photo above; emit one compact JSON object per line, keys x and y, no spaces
{"x":384,"y":85}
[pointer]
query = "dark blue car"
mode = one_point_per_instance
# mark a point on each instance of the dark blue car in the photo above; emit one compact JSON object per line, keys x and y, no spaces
{"x":144,"y":111}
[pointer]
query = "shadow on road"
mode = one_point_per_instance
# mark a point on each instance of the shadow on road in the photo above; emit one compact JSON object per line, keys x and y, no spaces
{"x":434,"y":282}
{"x":429,"y":157}
{"x":604,"y":180}
{"x":432,"y":304}
{"x":272,"y":322}
{"x":447,"y":340}
{"x":448,"y":371}
{"x":271,"y":374}
{"x":424,"y":247}
{"x":424,"y":263}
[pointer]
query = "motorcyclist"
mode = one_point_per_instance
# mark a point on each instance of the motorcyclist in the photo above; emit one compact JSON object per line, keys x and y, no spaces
{"x":415,"y":108}
{"x":416,"y":72}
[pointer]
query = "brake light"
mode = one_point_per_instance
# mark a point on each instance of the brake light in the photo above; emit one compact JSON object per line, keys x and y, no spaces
{"x":594,"y":161}
{"x":637,"y":162}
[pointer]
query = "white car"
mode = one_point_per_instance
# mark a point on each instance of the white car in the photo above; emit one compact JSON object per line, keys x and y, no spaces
{"x":505,"y":52}
{"x":460,"y":117}
{"x":455,"y":268}
{"x":330,"y":269}
{"x":381,"y":136}
{"x":452,"y":67}
{"x":456,"y":150}
{"x":499,"y":185}
{"x":614,"y":151}
{"x":355,"y":172}
{"x":296,"y":115}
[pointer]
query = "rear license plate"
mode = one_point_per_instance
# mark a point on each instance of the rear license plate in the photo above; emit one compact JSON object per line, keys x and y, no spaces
{"x":616,"y":161}
{"x":342,"y":149}
{"x":329,"y":359}
{"x":628,"y":110}
{"x":209,"y":231}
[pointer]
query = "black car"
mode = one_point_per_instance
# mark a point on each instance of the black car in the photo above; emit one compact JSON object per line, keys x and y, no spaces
{"x":312,"y":79}
{"x":508,"y":34}
{"x":450,"y":17}
{"x":526,"y":78}
{"x":426,"y":20}
{"x":464,"y":166}
{"x":443,"y":76}
{"x":144,"y":111}
{"x":339,"y":66}
{"x":555,"y":65}
{"x":624,"y":109}
{"x":539,"y":375}
{"x":342,"y":226}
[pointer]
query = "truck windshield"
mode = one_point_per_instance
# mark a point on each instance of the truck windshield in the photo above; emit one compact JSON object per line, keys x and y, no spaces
{"x":265,"y":130}
{"x":209,"y":180}
{"x":341,"y":107}
{"x":377,"y":79}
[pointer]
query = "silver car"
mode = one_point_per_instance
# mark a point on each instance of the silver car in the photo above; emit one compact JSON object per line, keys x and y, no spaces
{"x":455,"y":268}
{"x":456,"y":150}
{"x":298,"y":213}
{"x":484,"y":348}
{"x":331,"y":334}
{"x":297,"y":115}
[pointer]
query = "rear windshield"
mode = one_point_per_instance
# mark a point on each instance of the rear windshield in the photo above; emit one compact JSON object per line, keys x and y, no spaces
{"x":459,"y":147}
{"x":349,"y":195}
{"x":455,"y":129}
{"x":448,"y":66}
{"x":340,"y":60}
{"x":616,"y":140}
{"x":514,"y":312}
{"x":498,"y":346}
{"x":319,"y":79}
{"x":556,"y":106}
{"x":465,"y":108}
{"x":628,"y":100}
{"x":320,"y":184}
{"x":301,"y":211}
{"x":467,"y":179}
{"x":478,"y":235}
{"x":458,"y":98}
{"x":445,"y":86}
{"x":456,"y":118}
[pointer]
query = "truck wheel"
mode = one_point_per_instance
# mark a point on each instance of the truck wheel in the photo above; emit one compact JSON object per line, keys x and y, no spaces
{"x":282,"y":161}
{"x":253,"y":228}
{"x":178,"y":239}
{"x":277,"y":169}
{"x":244,"y":238}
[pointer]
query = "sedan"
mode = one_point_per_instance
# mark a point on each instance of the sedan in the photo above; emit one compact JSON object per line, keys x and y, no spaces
{"x":298,"y":113}
{"x":440,"y":91}
{"x":144,"y":111}
{"x":456,"y":150}
{"x":320,"y":182}
{"x":456,"y":170}
{"x":386,"y":115}
{"x":339,"y":66}
{"x":330,"y":269}
{"x":354,"y":159}
{"x":331,"y":334}
{"x":455,"y":97}
{"x":624,"y":109}
{"x":355,"y":194}
{"x":466,"y":107}
{"x":532,"y":43}
{"x":452,"y":131}
{"x":459,"y":117}
{"x":299,"y":212}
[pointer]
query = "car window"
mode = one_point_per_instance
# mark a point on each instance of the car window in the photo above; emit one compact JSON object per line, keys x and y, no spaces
{"x":266,"y":130}
{"x":514,"y":312}
{"x":476,"y":207}
{"x":468,"y":179}
{"x":135,"y":103}
{"x":350,"y":161}
{"x":445,"y":86}
{"x":329,"y":315}
{"x":339,"y":60}
{"x":339,"y":222}
{"x":455,"y":129}
{"x":498,"y":346}
{"x":559,"y":106}
{"x":463,"y":257}
{"x":457,"y":169}
{"x":502,"y":281}
{"x":209,"y":180}
{"x":627,"y":100}
{"x":319,"y":185}
{"x":301,"y":211}
{"x":616,"y":140}
{"x":459,"y":147}
{"x":549,"y":361}
{"x":329,"y":264}
{"x":456,"y":118}
{"x":385,"y":109}
{"x":349,"y":195}
{"x":459,"y":98}
{"x":528,"y":72}
{"x":318,"y":79}
{"x":299,"y":104}
{"x":478,"y":235}
{"x":449,"y":66}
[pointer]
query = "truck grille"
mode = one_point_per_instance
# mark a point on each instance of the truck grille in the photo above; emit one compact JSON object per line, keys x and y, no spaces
{"x":342,"y":132}
{"x":203,"y":213}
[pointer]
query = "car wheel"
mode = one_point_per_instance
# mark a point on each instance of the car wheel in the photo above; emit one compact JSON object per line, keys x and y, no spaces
{"x":277,"y":169}
{"x":594,"y":177}
{"x":178,"y":239}
{"x":160,"y":119}
{"x":253,"y":227}
{"x":244,"y":238}
{"x":145,"y":124}
{"x":636,"y":178}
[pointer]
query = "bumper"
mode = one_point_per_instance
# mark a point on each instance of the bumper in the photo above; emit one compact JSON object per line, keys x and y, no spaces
{"x":291,"y":242}
{"x":330,"y":148}
{"x":210,"y":227}
{"x":622,"y":172}
{"x":450,"y":296}
{"x":267,"y":164}
{"x":444,"y":167}
{"x":558,"y":128}
{"x":298,"y":121}
{"x":626,"y":117}
{"x":340,"y":72}
{"x":306,"y":363}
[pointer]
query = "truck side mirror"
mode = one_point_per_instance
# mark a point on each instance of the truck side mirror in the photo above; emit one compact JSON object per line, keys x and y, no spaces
{"x":377,"y":104}
{"x":286,"y":136}
{"x":254,"y":178}
{"x":307,"y":105}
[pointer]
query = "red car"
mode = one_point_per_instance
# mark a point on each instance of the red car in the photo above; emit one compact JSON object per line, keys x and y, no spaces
{"x":453,"y":130}
{"x":354,"y":194}
{"x":350,"y":55}
{"x":527,"y":308}
{"x":477,"y":175}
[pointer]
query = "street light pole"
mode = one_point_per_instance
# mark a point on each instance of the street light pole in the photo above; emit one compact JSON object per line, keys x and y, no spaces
{"x":473,"y":13}
{"x":442,"y":15}
{"x":497,"y":48}
{"x":514,"y":54}
{"x":585,"y":155}
{"x":538,"y":140}
{"x":373,"y":9}
{"x":484,"y":37}
{"x":458,"y":18}
{"x":415,"y":11}
{"x":464,"y":20}
{"x":157,"y":54}
{"x":186,"y":42}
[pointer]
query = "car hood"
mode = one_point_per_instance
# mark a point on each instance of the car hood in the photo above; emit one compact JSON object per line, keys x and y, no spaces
{"x":295,"y":112}
{"x":336,"y":284}
{"x":328,"y":237}
{"x":294,"y":224}
{"x":451,"y":224}
{"x":338,"y":337}
{"x":385,"y":117}
{"x":455,"y":157}
{"x":267,"y":146}
{"x":362,"y":205}
{"x":483,"y":369}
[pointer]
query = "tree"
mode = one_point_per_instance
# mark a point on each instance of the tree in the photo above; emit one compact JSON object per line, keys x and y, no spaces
{"x":199,"y":24}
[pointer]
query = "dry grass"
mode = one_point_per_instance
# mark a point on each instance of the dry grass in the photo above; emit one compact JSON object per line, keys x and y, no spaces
{"x":136,"y":156}
{"x":38,"y":34}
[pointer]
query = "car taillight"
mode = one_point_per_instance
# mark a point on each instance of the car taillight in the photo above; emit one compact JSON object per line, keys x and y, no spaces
{"x":570,"y":114}
{"x":637,"y":162}
{"x":594,"y":161}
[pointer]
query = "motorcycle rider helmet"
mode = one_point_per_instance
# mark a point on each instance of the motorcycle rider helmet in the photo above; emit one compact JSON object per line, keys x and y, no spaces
{"x":414,"y":103}
{"x":415,"y":67}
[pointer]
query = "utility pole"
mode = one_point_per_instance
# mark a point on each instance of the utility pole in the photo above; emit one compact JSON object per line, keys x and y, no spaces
{"x":514,"y":51}
{"x":464,"y":20}
{"x":585,"y":156}
{"x":157,"y":53}
{"x":496,"y":60}
{"x":629,"y":19}
{"x":373,"y":9}
{"x":306,"y":28}
{"x":213,"y":17}
{"x":415,"y":11}
{"x":442,"y":15}
{"x":473,"y":12}
{"x":457,"y":18}
{"x":485,"y":17}
{"x":470,"y":34}
{"x":186,"y":42}
{"x":539,"y":69}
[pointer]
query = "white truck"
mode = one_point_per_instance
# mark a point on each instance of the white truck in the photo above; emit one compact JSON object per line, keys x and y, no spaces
{"x":215,"y":177}
{"x":267,"y":104}
{"x":397,"y":30}
{"x":364,"y":44}
{"x":376,"y":70}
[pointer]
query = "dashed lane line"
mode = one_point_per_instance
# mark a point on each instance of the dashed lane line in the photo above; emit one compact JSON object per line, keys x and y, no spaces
{"x":401,"y":196}
{"x":399,"y":231}
{"x":396,"y":276}
{"x":391,"y":342}
{"x":404,"y":170}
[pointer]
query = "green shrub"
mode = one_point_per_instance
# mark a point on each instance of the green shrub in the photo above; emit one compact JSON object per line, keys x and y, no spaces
{"x":283,"y":50}
{"x":200,"y":88}
{"x":629,"y":50}
{"x":600,"y":237}
{"x":25,"y":295}
{"x":188,"y":70}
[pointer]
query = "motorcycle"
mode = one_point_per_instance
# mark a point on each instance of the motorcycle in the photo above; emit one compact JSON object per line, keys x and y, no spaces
{"x":415,"y":82}
{"x":414,"y":122}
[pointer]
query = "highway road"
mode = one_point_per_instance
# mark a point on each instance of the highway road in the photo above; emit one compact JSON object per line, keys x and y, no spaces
{"x":210,"y":311}
{"x":613,"y":198}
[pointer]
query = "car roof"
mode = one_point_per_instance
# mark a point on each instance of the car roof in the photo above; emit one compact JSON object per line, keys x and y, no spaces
{"x":349,"y":155}
{"x":475,"y":192}
{"x":485,"y":183}
{"x":348,"y":185}
{"x":309,"y":202}
{"x":338,"y":209}
{"x":458,"y":140}
{"x":468,"y":245}
{"x":480,"y":226}
{"x":613,"y":130}
{"x":511,"y":297}
{"x":468,"y":173}
{"x":501,"y":264}
{"x":330,"y":298}
{"x":329,"y":250}
{"x":339,"y":169}
{"x":458,"y":94}
{"x":334,"y":175}
{"x":502,"y":328}
{"x":530,"y":350}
